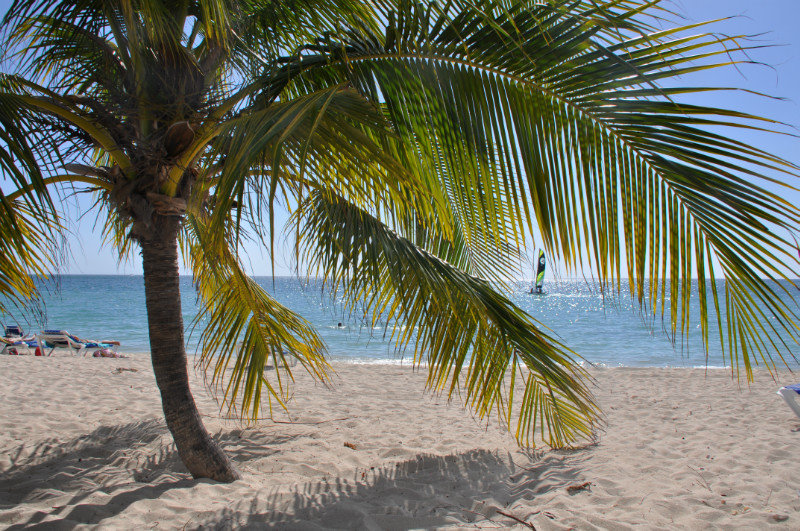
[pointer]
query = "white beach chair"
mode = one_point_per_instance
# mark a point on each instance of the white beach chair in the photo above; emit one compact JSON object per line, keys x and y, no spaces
{"x":7,"y":344}
{"x":31,"y":345}
{"x":60,"y":339}
{"x":54,"y":339}
{"x":790,"y":394}
{"x":289,"y":361}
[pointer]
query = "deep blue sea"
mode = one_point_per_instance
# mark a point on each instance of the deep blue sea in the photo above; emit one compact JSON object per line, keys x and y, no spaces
{"x":604,"y":331}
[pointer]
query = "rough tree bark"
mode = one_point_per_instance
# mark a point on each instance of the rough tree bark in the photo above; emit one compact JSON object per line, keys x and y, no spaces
{"x":198,"y":451}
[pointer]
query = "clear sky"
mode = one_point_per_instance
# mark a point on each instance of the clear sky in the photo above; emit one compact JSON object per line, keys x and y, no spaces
{"x":775,"y":21}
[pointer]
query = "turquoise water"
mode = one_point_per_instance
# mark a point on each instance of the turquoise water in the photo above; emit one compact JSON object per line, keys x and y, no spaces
{"x":606,"y":332}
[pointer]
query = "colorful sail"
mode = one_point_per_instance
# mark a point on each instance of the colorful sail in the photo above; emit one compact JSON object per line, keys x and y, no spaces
{"x":540,"y":272}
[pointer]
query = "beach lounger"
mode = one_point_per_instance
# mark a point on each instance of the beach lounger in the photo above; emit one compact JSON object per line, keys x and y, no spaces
{"x":6,"y":344}
{"x":62,"y":339}
{"x":15,"y":341}
{"x":13,"y":331}
{"x":791,"y":394}
{"x":15,"y":345}
{"x":289,"y":360}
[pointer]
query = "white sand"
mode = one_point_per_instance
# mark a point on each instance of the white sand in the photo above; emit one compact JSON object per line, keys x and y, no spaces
{"x":83,"y":444}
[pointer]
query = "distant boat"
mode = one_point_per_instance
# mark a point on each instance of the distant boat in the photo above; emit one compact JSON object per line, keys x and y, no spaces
{"x":539,"y":281}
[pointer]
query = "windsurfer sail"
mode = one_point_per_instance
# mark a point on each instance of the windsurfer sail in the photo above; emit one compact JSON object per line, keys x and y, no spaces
{"x":539,"y":274}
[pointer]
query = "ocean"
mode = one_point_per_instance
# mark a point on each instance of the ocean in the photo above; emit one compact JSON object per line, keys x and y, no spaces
{"x":604,"y":331}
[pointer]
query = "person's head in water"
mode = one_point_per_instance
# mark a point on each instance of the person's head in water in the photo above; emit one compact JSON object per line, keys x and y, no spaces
{"x":340,"y":325}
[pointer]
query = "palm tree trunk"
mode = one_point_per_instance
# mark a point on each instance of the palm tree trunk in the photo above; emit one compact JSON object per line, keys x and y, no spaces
{"x":201,"y":455}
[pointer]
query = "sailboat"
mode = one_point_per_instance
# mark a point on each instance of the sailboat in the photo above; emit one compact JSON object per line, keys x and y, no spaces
{"x":539,"y":280}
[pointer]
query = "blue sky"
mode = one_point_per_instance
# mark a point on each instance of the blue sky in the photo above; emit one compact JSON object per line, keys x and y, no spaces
{"x":775,"y":20}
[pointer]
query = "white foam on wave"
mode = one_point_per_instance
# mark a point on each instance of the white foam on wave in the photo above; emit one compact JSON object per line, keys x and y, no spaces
{"x":373,"y":361}
{"x":602,"y":365}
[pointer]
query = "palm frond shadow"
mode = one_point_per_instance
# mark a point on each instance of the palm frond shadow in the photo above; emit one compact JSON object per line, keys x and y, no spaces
{"x":435,"y":491}
{"x":74,"y":464}
{"x":127,"y":462}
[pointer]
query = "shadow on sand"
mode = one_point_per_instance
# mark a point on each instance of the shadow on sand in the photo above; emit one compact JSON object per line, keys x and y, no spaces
{"x":98,"y":475}
{"x":425,"y":492}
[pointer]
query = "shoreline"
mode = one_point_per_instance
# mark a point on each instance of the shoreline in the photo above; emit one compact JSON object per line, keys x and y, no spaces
{"x":781,"y":372}
{"x":406,"y":362}
{"x":84,"y":442}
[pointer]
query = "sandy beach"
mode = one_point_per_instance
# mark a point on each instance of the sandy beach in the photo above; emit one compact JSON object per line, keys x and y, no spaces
{"x":82,"y":442}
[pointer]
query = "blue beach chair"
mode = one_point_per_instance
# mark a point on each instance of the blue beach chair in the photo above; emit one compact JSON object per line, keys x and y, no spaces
{"x":790,"y":394}
{"x":13,"y":331}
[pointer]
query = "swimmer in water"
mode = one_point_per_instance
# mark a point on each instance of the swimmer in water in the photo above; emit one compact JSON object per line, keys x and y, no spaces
{"x":340,"y":325}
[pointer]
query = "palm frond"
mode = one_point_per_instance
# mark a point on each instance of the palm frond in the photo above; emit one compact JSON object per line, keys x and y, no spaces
{"x":244,"y":329}
{"x":548,"y":120}
{"x":29,"y":225}
{"x":29,"y":253}
{"x":332,"y":138}
{"x":470,"y":336}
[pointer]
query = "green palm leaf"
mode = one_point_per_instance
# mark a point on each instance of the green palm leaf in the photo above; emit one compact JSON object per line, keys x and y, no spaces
{"x":536,"y":124}
{"x":244,"y":329}
{"x":470,"y":336}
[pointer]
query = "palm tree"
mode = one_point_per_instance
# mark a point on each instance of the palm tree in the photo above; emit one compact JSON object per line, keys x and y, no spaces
{"x":419,"y":147}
